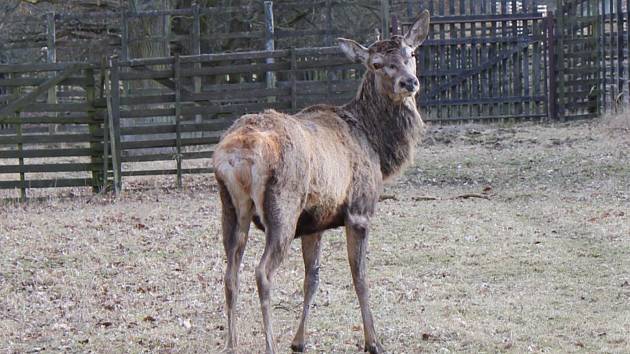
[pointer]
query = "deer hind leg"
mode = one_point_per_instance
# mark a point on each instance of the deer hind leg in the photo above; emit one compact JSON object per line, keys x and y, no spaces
{"x":311,"y":251}
{"x":280,"y":215}
{"x":235,"y":224}
{"x":357,"y":242}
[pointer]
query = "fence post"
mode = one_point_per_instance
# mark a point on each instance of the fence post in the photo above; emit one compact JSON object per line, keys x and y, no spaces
{"x":293,"y":81}
{"x":106,"y":121}
{"x":269,"y":46}
{"x":600,"y":33}
{"x":394,"y":25}
{"x":552,"y":98}
{"x":620,"y":56}
{"x":196,"y":50}
{"x":51,"y":58}
{"x":124,"y":41}
{"x":90,"y":97}
{"x":124,"y":36}
{"x":20,"y":147}
{"x":329,"y":24}
{"x":385,"y":19}
{"x":178,"y":117}
{"x":628,"y":44}
{"x":113,"y":110}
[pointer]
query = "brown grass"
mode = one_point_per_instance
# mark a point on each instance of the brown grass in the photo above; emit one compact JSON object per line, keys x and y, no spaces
{"x":543,"y":265}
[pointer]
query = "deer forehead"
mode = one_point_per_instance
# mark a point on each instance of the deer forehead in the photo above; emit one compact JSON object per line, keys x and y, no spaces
{"x":394,"y":54}
{"x":401,"y":57}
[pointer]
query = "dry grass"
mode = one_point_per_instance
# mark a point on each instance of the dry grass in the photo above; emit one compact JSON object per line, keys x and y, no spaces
{"x":543,"y":265}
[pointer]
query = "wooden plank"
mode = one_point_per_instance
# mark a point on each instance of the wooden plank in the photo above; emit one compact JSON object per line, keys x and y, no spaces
{"x":293,"y":79}
{"x":146,"y":75}
{"x":51,"y":167}
{"x":105,"y":94}
{"x":36,"y":81}
{"x":96,"y":131}
{"x":158,"y":143}
{"x":48,"y":183}
{"x":196,"y":50}
{"x":142,"y":113}
{"x":552,"y":55}
{"x":58,"y":107}
{"x":206,"y":170}
{"x":236,"y":94}
{"x":124,"y":36}
{"x":51,"y":57}
{"x":238,"y":108}
{"x":21,"y":102}
{"x":20,"y":148}
{"x":178,"y":118}
{"x":49,"y":120}
{"x":34,"y":68}
{"x":216,"y":125}
{"x":45,"y":153}
{"x":113,"y":111}
{"x":168,"y":157}
{"x":259,"y":68}
{"x":47,"y":139}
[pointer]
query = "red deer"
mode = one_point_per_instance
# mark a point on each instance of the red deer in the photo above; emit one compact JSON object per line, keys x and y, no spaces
{"x":295,"y":176}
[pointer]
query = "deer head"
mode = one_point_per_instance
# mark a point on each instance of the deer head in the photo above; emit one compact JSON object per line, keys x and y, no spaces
{"x":393,"y":60}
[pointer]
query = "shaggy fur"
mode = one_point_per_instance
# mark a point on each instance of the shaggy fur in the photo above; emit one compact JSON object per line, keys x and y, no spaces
{"x":324,"y":167}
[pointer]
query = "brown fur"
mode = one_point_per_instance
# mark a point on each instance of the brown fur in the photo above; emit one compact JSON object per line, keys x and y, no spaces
{"x":324,"y":167}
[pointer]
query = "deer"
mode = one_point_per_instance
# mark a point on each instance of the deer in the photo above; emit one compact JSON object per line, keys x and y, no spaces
{"x":296,"y":176}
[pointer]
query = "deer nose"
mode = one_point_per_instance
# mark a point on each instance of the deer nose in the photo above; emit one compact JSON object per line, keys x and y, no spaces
{"x":410,"y":84}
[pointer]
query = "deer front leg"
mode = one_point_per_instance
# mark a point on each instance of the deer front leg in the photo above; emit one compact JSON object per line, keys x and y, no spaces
{"x":311,"y":251}
{"x":357,"y":242}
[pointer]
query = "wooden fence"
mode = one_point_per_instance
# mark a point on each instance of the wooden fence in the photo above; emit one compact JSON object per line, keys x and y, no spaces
{"x":95,"y":124}
{"x":37,"y":143}
{"x":154,"y":116}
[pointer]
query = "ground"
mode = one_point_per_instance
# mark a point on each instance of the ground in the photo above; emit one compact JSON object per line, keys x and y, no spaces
{"x":510,"y":238}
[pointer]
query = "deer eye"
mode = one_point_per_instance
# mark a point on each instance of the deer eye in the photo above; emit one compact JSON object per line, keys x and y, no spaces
{"x":393,"y":67}
{"x":377,"y":66}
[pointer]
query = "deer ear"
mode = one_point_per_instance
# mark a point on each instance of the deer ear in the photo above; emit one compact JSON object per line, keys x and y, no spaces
{"x":419,"y":31}
{"x":353,"y":50}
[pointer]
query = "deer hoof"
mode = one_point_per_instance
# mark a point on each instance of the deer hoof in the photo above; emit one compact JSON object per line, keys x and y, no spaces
{"x":297,"y":348}
{"x":374,"y":348}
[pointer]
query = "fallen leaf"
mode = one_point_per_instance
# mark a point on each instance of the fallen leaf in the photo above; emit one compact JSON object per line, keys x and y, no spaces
{"x":104,"y":323}
{"x":428,"y":337}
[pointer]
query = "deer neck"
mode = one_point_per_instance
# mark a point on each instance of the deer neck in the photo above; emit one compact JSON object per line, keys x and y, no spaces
{"x":392,"y":128}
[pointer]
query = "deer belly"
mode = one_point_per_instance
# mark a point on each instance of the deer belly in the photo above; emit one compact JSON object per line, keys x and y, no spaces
{"x":315,"y":220}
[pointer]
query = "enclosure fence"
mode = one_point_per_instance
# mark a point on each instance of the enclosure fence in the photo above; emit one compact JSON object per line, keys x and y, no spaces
{"x":94,"y":123}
